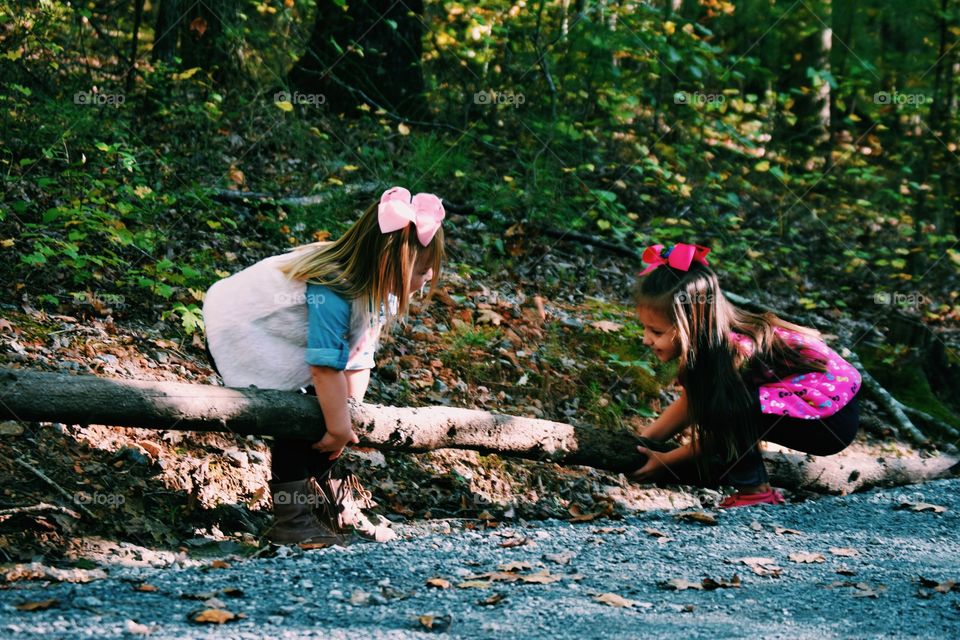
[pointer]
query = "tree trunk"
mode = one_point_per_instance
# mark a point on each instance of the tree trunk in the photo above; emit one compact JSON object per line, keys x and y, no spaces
{"x":54,"y":397}
{"x":369,"y":53}
{"x":823,"y":90}
{"x":208,"y":39}
{"x":165,"y":31}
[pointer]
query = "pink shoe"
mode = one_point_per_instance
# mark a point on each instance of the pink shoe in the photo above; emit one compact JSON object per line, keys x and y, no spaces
{"x":771,"y":496}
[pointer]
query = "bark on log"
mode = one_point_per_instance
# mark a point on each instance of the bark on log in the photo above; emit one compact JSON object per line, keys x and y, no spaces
{"x":52,"y":397}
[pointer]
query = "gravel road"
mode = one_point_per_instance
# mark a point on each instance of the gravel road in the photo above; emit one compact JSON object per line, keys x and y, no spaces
{"x":835,"y":567}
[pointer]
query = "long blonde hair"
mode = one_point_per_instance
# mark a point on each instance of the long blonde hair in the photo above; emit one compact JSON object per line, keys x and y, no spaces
{"x":367,"y":266}
{"x":716,"y":376}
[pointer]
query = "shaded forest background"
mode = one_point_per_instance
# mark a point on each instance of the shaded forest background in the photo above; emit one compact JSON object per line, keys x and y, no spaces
{"x":152,"y":147}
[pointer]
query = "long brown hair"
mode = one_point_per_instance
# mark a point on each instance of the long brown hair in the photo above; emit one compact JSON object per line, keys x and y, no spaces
{"x":719,"y":380}
{"x":367,"y":265}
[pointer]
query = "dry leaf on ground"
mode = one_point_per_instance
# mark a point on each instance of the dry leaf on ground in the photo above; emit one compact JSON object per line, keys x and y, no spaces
{"x":37,"y":605}
{"x":920,"y":506}
{"x":760,"y":566}
{"x":614,"y":600}
{"x":699,"y":517}
{"x":212,"y":616}
{"x":806,"y":557}
{"x":439,"y":583}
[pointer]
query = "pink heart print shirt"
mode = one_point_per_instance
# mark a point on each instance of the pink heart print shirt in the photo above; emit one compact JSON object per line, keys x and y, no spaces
{"x":812,"y":395}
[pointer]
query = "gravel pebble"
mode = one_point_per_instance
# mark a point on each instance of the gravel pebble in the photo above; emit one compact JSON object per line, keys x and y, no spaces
{"x":380,"y":591}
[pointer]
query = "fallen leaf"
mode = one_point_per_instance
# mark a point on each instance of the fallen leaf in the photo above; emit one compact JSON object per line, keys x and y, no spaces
{"x":212,"y":616}
{"x":681,"y":584}
{"x":541,"y":577}
{"x":804,"y":557}
{"x":656,"y":533}
{"x":617,"y":530}
{"x":514,"y":566}
{"x":756,"y":526}
{"x":606,"y":326}
{"x":697,"y":516}
{"x":439,"y":583}
{"x":846,"y":571}
{"x":710,"y":584}
{"x":435,"y":623}
{"x":845,"y":552}
{"x":780,"y":531}
{"x":256,"y":497}
{"x":921,"y":506}
{"x":219,"y":564}
{"x":145,"y":587}
{"x":559,"y":558}
{"x":233,"y":592}
{"x":37,"y":605}
{"x":760,"y":566}
{"x":309,"y":546}
{"x":474,"y":584}
{"x":939,"y":587}
{"x":359,"y":597}
{"x":489,"y":316}
{"x":492,"y":599}
{"x":613,"y":600}
{"x":39,"y":571}
{"x":514,"y":542}
{"x":579,"y":515}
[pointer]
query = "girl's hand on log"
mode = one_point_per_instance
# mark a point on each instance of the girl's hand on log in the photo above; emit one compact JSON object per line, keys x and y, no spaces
{"x":334,"y":443}
{"x":651,"y":468}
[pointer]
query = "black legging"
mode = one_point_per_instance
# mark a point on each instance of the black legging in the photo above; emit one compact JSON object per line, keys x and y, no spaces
{"x":817,"y":437}
{"x":295,"y":459}
{"x":292,"y":458}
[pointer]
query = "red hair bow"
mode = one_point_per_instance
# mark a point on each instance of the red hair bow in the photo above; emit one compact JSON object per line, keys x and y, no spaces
{"x":681,"y":256}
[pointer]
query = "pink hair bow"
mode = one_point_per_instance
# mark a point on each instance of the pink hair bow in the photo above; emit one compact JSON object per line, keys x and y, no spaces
{"x":680,"y":257}
{"x":397,"y":209}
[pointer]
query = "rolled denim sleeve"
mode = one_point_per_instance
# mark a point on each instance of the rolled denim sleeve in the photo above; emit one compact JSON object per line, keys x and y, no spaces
{"x":328,"y":328}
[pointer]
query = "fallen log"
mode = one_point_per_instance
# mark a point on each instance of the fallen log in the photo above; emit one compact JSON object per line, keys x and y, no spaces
{"x":77,"y":399}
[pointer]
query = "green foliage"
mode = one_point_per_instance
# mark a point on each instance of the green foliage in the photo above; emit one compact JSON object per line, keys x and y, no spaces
{"x":624,"y":122}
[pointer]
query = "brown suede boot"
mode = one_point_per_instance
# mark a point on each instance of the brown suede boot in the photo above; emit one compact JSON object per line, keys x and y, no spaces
{"x":296,"y":506}
{"x":348,"y":498}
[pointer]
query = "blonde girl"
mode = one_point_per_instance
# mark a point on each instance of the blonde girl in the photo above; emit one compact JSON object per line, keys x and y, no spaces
{"x":311,"y":319}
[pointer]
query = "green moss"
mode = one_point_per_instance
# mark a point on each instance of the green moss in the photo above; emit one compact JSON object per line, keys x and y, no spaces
{"x":895,"y":367}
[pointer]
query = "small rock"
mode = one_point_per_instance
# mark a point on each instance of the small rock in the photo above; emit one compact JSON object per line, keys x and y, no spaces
{"x":87,"y":602}
{"x":135,"y":628}
{"x":236,"y":458}
{"x":11,"y":428}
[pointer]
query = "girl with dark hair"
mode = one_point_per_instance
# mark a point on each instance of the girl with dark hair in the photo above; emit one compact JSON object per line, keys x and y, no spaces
{"x":745,"y":377}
